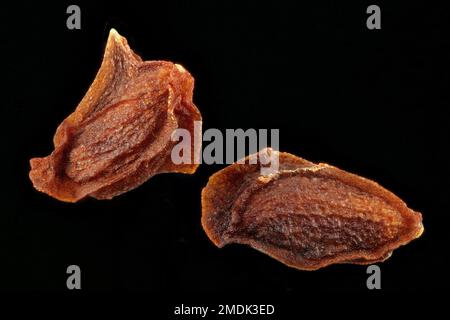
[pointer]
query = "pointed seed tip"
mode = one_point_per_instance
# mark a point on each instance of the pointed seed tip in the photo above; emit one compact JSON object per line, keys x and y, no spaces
{"x":113,"y":33}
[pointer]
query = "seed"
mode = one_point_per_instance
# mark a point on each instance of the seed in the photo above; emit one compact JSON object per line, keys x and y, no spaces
{"x":119,"y":136}
{"x":306,"y":215}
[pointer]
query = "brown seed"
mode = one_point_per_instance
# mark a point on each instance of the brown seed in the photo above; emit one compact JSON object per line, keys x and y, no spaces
{"x":306,"y":215}
{"x":120,"y":134}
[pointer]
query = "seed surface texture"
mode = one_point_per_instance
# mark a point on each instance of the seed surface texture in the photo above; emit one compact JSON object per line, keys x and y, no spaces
{"x":119,"y":136}
{"x":306,"y":215}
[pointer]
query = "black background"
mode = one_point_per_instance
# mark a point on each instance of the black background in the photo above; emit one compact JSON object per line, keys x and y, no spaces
{"x":372,"y":102}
